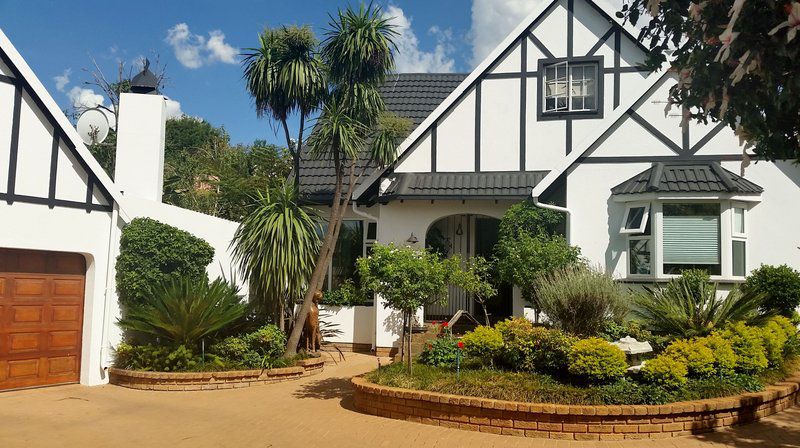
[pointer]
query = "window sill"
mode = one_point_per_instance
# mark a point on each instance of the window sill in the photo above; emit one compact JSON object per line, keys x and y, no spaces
{"x":665,"y":279}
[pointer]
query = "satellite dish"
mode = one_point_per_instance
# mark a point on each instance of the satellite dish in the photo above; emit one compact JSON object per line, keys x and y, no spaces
{"x":93,"y":126}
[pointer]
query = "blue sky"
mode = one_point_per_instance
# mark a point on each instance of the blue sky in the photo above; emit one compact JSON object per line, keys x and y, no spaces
{"x":199,"y":43}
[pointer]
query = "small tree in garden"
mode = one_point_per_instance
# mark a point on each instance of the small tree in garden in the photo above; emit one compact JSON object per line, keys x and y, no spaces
{"x":780,"y":286}
{"x":406,"y":279}
{"x":475,"y":280}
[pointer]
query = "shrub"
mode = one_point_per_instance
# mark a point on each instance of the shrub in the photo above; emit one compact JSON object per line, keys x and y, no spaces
{"x":784,"y":324}
{"x":780,"y":286}
{"x":698,"y":357}
{"x":774,"y":338}
{"x":721,"y":348}
{"x":693,"y":280}
{"x":665,"y":371}
{"x":748,"y":346}
{"x":346,"y":295}
{"x":596,"y":361}
{"x":613,"y":331}
{"x":152,"y":252}
{"x":269,"y":341}
{"x":530,"y":348}
{"x":441,"y":352}
{"x":579,"y":300}
{"x":484,"y":343}
{"x":154,"y":358}
{"x":687,"y":308}
{"x":184,"y":311}
{"x":258,"y":349}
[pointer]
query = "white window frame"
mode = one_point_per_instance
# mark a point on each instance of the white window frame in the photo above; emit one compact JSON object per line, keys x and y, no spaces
{"x":645,"y":217}
{"x":739,"y":236}
{"x":568,"y":88}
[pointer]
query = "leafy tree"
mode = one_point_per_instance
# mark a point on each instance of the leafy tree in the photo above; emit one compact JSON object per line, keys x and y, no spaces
{"x":525,"y":217}
{"x":738,"y":64}
{"x":275,"y":246}
{"x":476,"y":280}
{"x":285,"y":76}
{"x":357,"y":57}
{"x":780,"y":286}
{"x":407,"y":279}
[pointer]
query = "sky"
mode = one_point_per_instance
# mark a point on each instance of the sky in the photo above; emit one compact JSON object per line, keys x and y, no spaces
{"x":198,"y":44}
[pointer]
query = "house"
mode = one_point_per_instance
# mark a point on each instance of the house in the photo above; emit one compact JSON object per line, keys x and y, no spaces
{"x":60,"y":221}
{"x":561,"y":113}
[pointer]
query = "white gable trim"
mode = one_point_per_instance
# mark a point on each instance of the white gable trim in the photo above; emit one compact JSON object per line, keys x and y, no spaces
{"x":28,"y":80}
{"x":497,"y":54}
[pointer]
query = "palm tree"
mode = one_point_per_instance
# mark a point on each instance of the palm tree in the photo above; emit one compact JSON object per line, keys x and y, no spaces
{"x":284,"y":76}
{"x":357,"y":53}
{"x":275,"y":246}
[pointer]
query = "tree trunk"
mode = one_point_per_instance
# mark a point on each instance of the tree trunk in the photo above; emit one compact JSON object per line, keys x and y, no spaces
{"x":298,"y":149}
{"x":403,"y":339}
{"x":485,"y":313}
{"x":294,"y":152}
{"x":409,"y":332}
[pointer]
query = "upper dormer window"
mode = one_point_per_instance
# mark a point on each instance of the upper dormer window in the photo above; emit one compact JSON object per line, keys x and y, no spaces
{"x":571,"y":88}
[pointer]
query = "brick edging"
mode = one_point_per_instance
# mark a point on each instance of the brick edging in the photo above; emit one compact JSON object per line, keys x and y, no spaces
{"x":573,"y":422}
{"x":191,"y":381}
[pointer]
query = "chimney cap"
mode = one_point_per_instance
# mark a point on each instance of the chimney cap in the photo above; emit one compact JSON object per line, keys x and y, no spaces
{"x":145,"y":82}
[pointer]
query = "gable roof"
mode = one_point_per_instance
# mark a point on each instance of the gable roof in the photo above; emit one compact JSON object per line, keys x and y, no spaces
{"x":492,"y":185}
{"x":409,"y":95}
{"x":30,"y":82}
{"x":496,"y":55}
{"x":708,"y":177}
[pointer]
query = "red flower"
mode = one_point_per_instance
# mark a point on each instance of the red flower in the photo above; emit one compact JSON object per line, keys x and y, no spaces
{"x":460,"y":344}
{"x":445,"y":324}
{"x":436,"y":322}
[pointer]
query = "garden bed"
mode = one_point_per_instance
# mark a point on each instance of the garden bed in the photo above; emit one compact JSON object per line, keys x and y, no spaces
{"x":192,"y":381}
{"x":573,"y":422}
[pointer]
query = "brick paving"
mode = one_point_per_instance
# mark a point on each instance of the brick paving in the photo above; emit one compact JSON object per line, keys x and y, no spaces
{"x":310,"y":412}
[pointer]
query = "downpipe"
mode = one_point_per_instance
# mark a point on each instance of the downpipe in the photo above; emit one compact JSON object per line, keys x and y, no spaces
{"x":109,"y":293}
{"x":556,"y":208}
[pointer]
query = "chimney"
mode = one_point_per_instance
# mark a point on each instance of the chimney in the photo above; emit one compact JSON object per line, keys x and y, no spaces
{"x":139,"y":167}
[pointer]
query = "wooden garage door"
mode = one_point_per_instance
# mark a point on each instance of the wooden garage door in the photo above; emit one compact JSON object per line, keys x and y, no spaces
{"x":41,"y":316}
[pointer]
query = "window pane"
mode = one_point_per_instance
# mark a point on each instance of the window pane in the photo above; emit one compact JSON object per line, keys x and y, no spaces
{"x":635,"y":217}
{"x":691,"y":234}
{"x":349,"y":247}
{"x":550,"y":104}
{"x":588,"y":102}
{"x":738,"y":220}
{"x":550,"y":73}
{"x":577,"y":72}
{"x":739,"y":265}
{"x":562,"y":102}
{"x":577,"y":103}
{"x":639,"y":253}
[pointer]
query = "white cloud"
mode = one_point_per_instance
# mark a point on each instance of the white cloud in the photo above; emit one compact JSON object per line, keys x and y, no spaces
{"x":173,"y":109}
{"x":62,"y":80}
{"x":195,"y":50}
{"x":84,"y":98}
{"x":493,"y":20}
{"x":410,"y":58}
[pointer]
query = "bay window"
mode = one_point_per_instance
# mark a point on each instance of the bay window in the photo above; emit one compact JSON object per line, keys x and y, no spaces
{"x":691,"y":237}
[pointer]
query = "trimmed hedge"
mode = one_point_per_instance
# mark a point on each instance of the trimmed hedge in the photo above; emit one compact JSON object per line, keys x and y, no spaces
{"x":152,"y":252}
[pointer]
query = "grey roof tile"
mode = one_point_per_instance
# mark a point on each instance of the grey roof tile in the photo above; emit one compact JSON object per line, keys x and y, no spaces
{"x":501,"y":184}
{"x":688,"y":177}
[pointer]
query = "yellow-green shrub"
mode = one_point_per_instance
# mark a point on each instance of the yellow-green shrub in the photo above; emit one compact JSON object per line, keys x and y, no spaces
{"x":530,"y":348}
{"x":484,"y":343}
{"x":699,"y":359}
{"x":748,"y":346}
{"x":774,"y":338}
{"x":784,"y":324}
{"x":665,"y":371}
{"x":596,"y":360}
{"x":721,"y":348}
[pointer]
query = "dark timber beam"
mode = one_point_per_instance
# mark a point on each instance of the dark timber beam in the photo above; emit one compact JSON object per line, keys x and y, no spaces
{"x":14,"y":150}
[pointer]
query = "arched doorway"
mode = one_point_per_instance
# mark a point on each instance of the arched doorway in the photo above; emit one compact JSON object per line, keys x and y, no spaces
{"x":466,"y":235}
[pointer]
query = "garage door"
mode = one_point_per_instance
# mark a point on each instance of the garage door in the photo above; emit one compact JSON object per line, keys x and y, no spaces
{"x":41,"y":315}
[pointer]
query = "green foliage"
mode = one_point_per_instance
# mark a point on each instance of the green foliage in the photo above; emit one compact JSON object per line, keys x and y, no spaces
{"x":157,"y":358}
{"x":276,"y":247}
{"x":697,"y":356}
{"x":721,"y":348}
{"x":441,"y":352}
{"x":665,"y":371}
{"x":579,"y":300}
{"x":406,"y":278}
{"x":151,"y":253}
{"x":483,"y":343}
{"x":780,"y":286}
{"x":184,"y":311}
{"x":692,"y":281}
{"x":519,"y":260}
{"x":687,"y":307}
{"x":613,"y":331}
{"x":748,"y":346}
{"x":346,"y":295}
{"x":774,"y":335}
{"x":737,"y":61}
{"x":475,"y":280}
{"x":529,"y":348}
{"x":258,"y":349}
{"x":526,"y":218}
{"x":596,"y":361}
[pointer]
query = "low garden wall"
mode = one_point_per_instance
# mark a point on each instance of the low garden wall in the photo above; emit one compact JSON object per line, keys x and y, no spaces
{"x":573,"y":422}
{"x":189,"y":381}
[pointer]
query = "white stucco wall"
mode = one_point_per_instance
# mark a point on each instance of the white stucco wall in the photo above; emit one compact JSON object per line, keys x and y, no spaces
{"x":356,"y":323}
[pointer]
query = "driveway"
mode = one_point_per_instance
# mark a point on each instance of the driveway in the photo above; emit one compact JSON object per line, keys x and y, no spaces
{"x":315,"y":411}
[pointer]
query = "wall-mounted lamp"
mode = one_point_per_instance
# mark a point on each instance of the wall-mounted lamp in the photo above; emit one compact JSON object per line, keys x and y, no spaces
{"x":412,"y":239}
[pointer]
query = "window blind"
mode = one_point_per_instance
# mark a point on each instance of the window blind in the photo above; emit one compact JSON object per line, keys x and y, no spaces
{"x":691,"y":239}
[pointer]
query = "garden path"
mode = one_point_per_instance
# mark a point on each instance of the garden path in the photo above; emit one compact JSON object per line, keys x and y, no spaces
{"x":315,"y":411}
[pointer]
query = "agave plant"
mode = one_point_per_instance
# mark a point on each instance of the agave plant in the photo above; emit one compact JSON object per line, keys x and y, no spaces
{"x":183,"y":311}
{"x":686,"y":309}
